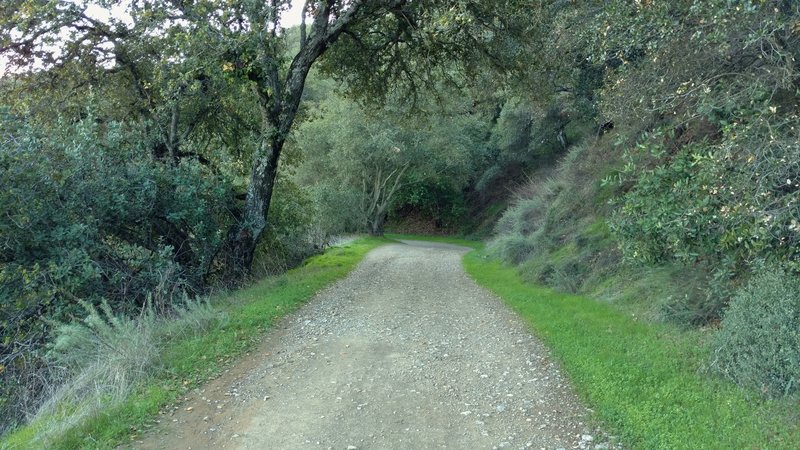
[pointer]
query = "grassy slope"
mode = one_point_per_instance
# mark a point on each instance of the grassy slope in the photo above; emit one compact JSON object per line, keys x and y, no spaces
{"x":191,"y":361}
{"x":643,"y":380}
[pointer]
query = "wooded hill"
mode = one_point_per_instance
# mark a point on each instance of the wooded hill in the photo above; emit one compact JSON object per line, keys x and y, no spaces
{"x":642,"y":152}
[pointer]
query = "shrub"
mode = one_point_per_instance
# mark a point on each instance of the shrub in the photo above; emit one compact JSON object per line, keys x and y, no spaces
{"x":512,"y":248}
{"x":96,"y":362}
{"x":88,"y":213}
{"x":714,"y":180}
{"x":759,"y":343}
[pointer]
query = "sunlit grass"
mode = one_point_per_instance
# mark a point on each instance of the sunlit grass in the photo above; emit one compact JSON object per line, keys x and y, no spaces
{"x":643,"y":380}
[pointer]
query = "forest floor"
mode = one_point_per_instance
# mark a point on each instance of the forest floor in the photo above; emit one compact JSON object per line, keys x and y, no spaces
{"x":406,"y":352}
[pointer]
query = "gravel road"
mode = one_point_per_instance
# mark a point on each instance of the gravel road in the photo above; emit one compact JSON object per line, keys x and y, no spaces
{"x":405,"y":353}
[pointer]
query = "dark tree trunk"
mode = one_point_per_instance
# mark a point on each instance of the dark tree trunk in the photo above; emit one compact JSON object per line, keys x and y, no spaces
{"x":376,"y":225}
{"x":244,"y":237}
{"x":279,"y":98}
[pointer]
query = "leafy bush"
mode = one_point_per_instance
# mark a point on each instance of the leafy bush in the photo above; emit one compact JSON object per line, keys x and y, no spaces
{"x":90,"y":215}
{"x":725,"y":205}
{"x":759,"y":343}
{"x":711,"y":170}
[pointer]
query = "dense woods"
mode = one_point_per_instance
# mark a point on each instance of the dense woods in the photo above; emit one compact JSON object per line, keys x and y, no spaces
{"x":643,"y":152}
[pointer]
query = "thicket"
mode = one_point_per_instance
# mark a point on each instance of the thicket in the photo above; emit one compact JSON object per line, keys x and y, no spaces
{"x":88,"y":216}
{"x":91,"y":216}
{"x":717,"y":184}
{"x":687,"y":182}
{"x":759,"y":344}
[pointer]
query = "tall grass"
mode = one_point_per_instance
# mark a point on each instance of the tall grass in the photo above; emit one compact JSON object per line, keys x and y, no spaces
{"x":117,"y":373}
{"x":96,"y":363}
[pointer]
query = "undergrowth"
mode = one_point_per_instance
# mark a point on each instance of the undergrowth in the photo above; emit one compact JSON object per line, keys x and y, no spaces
{"x":196,"y":345}
{"x":759,"y":343}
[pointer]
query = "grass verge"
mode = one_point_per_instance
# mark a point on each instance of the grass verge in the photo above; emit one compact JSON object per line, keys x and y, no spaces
{"x":644,"y":381}
{"x":194,"y":360}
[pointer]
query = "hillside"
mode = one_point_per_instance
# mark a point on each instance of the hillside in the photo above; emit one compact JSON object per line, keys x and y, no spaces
{"x":683,"y":200}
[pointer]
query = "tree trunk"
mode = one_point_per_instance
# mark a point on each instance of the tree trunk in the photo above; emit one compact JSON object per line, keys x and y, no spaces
{"x":279,"y":98}
{"x":244,"y":236}
{"x":376,"y":225}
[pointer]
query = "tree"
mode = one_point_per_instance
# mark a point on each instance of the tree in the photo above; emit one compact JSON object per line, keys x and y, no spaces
{"x":385,"y":43}
{"x":382,"y":157}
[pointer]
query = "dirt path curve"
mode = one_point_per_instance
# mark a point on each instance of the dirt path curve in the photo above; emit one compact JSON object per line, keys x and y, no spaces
{"x":405,"y":353}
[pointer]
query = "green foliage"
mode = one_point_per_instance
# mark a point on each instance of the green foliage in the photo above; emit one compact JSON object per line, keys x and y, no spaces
{"x":642,"y":381}
{"x":208,"y":337}
{"x":667,"y":57}
{"x":292,"y":234}
{"x":555,"y":229}
{"x":700,"y":169}
{"x":715,"y":181}
{"x":551,"y":104}
{"x":759,"y":343}
{"x":703,"y":173}
{"x":89,"y":215}
{"x":363,"y":163}
{"x":448,"y":40}
{"x":730,"y":201}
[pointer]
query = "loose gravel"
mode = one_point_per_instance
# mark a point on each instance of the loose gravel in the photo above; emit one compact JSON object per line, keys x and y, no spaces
{"x":406,"y":352}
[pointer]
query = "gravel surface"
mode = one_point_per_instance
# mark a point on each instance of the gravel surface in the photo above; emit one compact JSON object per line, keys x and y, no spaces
{"x":406,"y":352}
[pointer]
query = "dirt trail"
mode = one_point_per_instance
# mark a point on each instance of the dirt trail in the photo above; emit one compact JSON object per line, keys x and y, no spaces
{"x":405,"y":353}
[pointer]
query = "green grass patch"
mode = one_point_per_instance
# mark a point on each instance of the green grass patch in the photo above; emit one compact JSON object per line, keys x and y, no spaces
{"x":194,"y":360}
{"x":442,"y":239}
{"x":644,"y":381}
